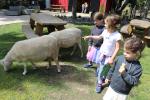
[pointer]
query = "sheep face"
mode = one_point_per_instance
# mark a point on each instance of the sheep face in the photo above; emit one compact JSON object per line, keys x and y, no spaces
{"x":5,"y":64}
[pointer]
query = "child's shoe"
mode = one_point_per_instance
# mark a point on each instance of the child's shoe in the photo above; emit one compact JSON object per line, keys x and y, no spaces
{"x":87,"y":65}
{"x":98,"y":88}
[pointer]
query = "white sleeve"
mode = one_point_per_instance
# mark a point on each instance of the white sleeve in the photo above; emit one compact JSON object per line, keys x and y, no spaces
{"x":118,"y":37}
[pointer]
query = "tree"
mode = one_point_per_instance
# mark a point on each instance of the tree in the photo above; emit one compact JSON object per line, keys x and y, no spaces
{"x":74,"y":9}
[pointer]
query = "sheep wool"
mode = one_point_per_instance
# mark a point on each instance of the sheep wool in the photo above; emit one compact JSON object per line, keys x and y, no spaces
{"x":34,"y":49}
{"x":68,"y":37}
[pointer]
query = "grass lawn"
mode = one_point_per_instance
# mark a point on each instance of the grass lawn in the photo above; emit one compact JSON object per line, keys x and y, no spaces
{"x":74,"y":83}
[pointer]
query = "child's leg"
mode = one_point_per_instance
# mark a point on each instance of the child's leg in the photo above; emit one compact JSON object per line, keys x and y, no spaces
{"x":100,"y":68}
{"x":99,"y":79}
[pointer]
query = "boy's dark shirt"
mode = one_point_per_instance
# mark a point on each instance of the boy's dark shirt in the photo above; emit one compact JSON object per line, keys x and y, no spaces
{"x":95,"y":31}
{"x":124,"y":83}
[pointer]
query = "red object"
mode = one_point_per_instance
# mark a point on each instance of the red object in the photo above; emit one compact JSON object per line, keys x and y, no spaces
{"x":61,"y":2}
{"x":108,"y":5}
{"x":105,"y":6}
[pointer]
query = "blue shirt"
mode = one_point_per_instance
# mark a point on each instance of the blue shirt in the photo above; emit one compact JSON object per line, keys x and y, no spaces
{"x":96,"y":30}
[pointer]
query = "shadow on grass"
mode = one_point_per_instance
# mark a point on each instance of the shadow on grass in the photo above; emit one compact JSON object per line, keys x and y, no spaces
{"x":11,"y":37}
{"x":14,"y":78}
{"x":4,"y":48}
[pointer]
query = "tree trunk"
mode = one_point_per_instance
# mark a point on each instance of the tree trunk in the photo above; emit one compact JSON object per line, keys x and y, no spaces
{"x":74,"y":9}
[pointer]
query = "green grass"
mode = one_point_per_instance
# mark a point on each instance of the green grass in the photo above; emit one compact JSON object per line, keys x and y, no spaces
{"x":74,"y":83}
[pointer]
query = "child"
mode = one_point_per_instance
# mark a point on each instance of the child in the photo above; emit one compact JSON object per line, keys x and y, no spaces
{"x":126,"y":71}
{"x":110,"y":47}
{"x":84,"y":7}
{"x":94,"y":45}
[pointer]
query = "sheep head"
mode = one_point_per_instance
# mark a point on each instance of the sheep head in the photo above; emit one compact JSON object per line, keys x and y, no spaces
{"x":5,"y":64}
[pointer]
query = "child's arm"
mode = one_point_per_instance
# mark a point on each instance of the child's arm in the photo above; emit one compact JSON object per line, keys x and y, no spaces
{"x":109,"y":75}
{"x":92,"y":37}
{"x":90,"y":41}
{"x":111,"y":70}
{"x":131,"y":78}
{"x":117,"y":47}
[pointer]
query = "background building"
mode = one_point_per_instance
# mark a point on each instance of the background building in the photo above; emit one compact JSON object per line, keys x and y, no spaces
{"x":93,"y":5}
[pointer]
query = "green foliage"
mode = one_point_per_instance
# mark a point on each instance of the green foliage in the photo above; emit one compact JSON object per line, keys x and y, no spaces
{"x":74,"y":83}
{"x":140,"y":2}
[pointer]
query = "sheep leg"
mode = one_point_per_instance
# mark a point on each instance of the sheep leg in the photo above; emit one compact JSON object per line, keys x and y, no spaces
{"x":79,"y":44}
{"x":74,"y":48}
{"x":49,"y":64}
{"x":25,"y":69}
{"x":57,"y":64}
{"x":33,"y":65}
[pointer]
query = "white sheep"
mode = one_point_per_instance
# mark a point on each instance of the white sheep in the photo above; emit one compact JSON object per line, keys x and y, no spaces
{"x":68,"y":38}
{"x":32,"y":50}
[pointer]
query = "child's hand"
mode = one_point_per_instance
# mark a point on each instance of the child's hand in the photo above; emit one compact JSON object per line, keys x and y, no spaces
{"x":122,"y":68}
{"x":110,"y":61}
{"x":85,"y":37}
{"x":106,"y":82}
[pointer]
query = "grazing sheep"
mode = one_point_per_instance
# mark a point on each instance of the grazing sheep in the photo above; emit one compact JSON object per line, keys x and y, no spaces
{"x":68,"y":37}
{"x":32,"y":50}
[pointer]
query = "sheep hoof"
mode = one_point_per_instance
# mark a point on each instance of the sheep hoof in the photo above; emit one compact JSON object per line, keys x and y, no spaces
{"x":24,"y":73}
{"x":47,"y":67}
{"x":59,"y":70}
{"x":71,"y":54}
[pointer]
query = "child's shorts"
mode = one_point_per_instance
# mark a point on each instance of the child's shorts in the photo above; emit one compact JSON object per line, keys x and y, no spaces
{"x":112,"y":95}
{"x":92,"y":54}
